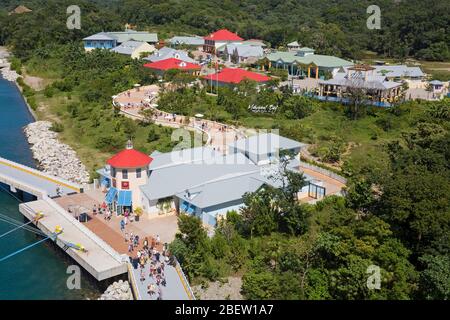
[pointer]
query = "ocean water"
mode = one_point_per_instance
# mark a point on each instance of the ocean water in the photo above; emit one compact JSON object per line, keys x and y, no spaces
{"x":40,"y":272}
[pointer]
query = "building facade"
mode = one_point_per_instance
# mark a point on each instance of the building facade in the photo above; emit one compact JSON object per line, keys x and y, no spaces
{"x":378,"y":89}
{"x":122,"y":176}
{"x":304,"y":63}
{"x":218,"y":39}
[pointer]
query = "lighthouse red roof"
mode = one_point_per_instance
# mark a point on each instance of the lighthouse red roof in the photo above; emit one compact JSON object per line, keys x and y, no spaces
{"x":236,"y":75}
{"x":223,"y":35}
{"x":129,"y":158}
{"x":172,"y":63}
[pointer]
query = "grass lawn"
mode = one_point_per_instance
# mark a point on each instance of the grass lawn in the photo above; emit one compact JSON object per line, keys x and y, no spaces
{"x":85,"y":131}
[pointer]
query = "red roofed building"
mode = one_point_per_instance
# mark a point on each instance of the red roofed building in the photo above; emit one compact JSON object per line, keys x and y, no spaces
{"x":162,"y":66}
{"x":231,"y":76}
{"x":124,"y":173}
{"x":220,"y":38}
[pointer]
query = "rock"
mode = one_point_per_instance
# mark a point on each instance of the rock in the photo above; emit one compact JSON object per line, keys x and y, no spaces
{"x":54,"y":157}
{"x":117,"y":291}
{"x":9,"y":74}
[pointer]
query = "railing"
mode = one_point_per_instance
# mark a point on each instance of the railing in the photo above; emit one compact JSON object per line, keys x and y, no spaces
{"x":173,"y":123}
{"x":132,"y":280}
{"x":323,"y":171}
{"x":184,"y":280}
{"x":38,"y":173}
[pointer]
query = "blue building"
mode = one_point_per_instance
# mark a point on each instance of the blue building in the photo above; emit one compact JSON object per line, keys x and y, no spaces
{"x":109,"y":40}
{"x":99,"y":41}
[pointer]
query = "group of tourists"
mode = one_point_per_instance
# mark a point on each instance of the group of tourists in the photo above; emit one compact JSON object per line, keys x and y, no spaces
{"x":125,"y":220}
{"x":132,"y":240}
{"x":151,"y":264}
{"x":102,"y":209}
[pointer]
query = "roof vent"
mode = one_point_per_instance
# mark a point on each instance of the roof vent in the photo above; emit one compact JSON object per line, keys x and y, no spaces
{"x":129,"y":145}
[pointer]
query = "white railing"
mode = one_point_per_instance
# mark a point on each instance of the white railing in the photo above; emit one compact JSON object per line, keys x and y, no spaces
{"x":184,"y":278}
{"x":323,"y":171}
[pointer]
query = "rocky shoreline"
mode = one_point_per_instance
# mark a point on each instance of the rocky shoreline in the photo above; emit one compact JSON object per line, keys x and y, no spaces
{"x":118,"y":291}
{"x":6,"y":71}
{"x":54,"y":157}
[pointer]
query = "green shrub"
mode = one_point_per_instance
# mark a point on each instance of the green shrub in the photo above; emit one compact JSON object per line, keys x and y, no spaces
{"x":57,"y":127}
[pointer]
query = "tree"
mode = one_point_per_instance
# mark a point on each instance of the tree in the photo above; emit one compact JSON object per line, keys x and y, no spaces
{"x":435,"y":282}
{"x":357,"y":96}
{"x":147,"y":115}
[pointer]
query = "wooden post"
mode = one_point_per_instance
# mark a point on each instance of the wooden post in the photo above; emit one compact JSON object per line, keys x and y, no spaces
{"x":309,"y":72}
{"x":317,"y":72}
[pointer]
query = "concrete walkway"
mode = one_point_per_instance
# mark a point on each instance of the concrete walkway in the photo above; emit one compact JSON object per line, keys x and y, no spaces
{"x":33,"y":181}
{"x":131,"y":102}
{"x":175,"y":289}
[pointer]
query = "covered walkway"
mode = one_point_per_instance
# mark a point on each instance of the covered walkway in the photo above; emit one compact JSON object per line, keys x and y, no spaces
{"x":33,"y":181}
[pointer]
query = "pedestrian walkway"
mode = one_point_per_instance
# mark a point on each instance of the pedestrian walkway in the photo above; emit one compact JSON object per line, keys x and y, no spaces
{"x":131,"y":102}
{"x":34,"y":181}
{"x":176,"y":287}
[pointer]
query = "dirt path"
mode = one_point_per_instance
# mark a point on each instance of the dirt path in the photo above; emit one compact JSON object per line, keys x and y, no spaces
{"x":35,"y":83}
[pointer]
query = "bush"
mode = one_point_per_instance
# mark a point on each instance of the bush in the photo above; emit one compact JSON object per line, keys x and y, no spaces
{"x":49,"y":92}
{"x":57,"y":127}
{"x":152,"y":135}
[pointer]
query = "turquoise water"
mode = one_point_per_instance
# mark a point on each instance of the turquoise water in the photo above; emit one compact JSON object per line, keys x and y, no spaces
{"x":40,"y":272}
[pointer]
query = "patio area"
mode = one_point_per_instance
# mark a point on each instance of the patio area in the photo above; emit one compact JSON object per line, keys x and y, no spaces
{"x":109,"y":230}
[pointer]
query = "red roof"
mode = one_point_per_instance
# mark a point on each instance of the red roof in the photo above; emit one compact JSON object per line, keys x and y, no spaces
{"x":129,"y":158}
{"x":223,"y":35}
{"x":172,"y":63}
{"x":230,"y":75}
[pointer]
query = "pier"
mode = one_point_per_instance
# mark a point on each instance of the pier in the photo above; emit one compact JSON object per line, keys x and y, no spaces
{"x":98,"y":258}
{"x":34,"y":182}
{"x":93,"y":245}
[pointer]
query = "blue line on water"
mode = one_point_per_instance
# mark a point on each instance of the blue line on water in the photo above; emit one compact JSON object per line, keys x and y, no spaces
{"x":23,"y":249}
{"x":16,"y":228}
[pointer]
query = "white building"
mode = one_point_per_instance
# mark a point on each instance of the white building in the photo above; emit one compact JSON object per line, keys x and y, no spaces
{"x":199,"y":181}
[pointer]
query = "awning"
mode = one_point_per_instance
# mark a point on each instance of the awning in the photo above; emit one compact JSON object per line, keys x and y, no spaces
{"x":184,"y":206}
{"x":191,"y":209}
{"x":124,"y":198}
{"x":187,"y":207}
{"x":110,"y":196}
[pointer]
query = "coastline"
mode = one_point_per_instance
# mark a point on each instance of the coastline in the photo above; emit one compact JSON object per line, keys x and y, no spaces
{"x":49,"y":153}
{"x":4,"y":55}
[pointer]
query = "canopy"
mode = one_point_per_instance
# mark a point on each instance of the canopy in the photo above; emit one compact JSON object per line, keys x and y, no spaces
{"x":124,"y":198}
{"x":111,"y":195}
{"x":187,"y":207}
{"x":199,"y":115}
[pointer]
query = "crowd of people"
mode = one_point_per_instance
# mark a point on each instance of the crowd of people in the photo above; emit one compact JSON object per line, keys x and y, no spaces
{"x":151,"y":263}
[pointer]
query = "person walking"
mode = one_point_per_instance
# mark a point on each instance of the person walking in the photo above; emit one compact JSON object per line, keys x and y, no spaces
{"x":158,"y":239}
{"x":122,"y":225}
{"x":145,"y":243}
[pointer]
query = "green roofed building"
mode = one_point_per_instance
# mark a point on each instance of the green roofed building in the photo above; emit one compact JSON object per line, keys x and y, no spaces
{"x":303,"y":62}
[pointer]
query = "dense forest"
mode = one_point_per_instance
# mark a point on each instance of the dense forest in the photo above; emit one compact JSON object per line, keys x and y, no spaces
{"x":408,"y":28}
{"x":396,"y":211}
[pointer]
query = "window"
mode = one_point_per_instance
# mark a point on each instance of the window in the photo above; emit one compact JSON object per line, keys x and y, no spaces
{"x":113,"y":172}
{"x":138,"y":173}
{"x":124,"y":174}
